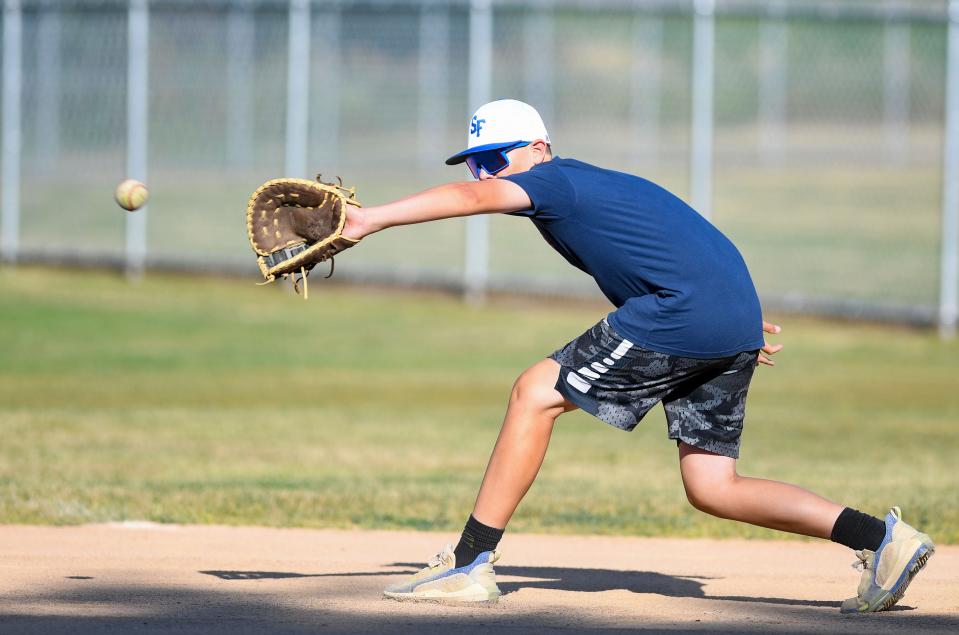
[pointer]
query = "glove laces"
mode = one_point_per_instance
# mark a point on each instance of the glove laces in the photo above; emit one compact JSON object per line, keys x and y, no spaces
{"x":301,"y":277}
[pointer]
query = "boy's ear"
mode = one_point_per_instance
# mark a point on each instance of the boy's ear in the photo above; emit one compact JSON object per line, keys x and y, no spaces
{"x":541,"y":148}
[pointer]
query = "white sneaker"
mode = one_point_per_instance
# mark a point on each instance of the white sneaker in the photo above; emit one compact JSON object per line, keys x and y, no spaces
{"x":888,"y":571}
{"x":441,"y":581}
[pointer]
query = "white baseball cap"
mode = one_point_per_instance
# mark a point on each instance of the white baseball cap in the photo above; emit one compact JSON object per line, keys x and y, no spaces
{"x":499,"y":124}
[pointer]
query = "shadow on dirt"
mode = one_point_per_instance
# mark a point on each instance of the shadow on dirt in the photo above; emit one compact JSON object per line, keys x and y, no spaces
{"x":279,"y":575}
{"x":568,"y":579}
{"x":592,"y":580}
{"x":248,"y":602}
{"x":597,"y":580}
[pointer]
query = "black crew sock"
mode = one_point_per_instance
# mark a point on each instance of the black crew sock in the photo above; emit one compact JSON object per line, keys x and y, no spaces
{"x":476,"y":539}
{"x":857,"y":530}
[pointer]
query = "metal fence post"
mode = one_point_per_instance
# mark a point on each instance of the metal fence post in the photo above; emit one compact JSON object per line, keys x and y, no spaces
{"x":240,"y":64}
{"x":949,"y":277}
{"x":701,"y":165}
{"x":476,"y":269}
{"x":12,"y":85}
{"x":138,"y":62}
{"x":298,"y":88}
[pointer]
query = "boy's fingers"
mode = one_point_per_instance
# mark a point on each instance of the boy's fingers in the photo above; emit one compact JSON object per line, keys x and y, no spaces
{"x":769,"y":349}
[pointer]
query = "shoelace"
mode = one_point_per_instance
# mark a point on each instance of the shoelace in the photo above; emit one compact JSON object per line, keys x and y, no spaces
{"x":437,"y":560}
{"x":862,"y":561}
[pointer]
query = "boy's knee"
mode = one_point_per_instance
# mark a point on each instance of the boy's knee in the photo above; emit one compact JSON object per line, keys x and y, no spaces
{"x":700,"y":499}
{"x":709,"y":480}
{"x":535,"y":390}
{"x":710,"y":496}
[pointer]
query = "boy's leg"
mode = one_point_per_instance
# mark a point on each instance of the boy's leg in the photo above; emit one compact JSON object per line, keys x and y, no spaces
{"x":534,"y":405}
{"x":705,"y":414}
{"x":891,"y":552}
{"x":707,"y":418}
{"x":466,"y":573}
{"x":713,"y":486}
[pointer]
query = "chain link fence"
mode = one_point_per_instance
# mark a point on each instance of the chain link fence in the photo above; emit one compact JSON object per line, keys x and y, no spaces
{"x":824,"y":123}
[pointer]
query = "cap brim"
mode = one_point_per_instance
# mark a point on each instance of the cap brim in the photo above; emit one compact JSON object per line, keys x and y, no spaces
{"x":461,"y":156}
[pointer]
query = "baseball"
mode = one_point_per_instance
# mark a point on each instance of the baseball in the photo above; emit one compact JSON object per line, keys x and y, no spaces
{"x":131,"y":195}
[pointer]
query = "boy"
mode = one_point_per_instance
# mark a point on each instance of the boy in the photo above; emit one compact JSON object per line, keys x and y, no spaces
{"x":687,"y":331}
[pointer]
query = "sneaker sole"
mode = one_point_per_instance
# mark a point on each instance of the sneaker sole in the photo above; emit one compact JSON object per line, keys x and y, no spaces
{"x":473,"y":594}
{"x":918,"y":563}
{"x":887,"y":600}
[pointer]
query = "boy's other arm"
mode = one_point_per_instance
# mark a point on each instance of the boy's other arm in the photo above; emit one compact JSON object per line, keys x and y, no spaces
{"x":491,"y":196}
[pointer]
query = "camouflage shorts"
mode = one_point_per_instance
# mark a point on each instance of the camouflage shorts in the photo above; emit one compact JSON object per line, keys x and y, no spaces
{"x":618,"y":382}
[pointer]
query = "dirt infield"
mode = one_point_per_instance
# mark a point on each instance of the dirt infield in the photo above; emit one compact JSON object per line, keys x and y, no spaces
{"x":206,"y":579}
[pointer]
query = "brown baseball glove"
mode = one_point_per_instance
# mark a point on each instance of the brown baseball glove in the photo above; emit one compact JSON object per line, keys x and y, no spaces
{"x":293,"y":224}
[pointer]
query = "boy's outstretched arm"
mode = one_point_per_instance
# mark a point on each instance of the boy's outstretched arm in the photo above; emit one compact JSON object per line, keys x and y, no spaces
{"x":490,"y":196}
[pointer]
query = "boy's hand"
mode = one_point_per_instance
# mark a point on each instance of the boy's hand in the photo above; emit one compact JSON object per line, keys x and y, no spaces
{"x":769,"y":349}
{"x":356,"y":226}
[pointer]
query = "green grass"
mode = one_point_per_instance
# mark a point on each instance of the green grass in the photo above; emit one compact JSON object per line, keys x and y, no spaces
{"x":215,"y":401}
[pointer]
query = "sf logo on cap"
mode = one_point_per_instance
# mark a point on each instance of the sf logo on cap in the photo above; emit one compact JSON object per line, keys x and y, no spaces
{"x":476,"y":125}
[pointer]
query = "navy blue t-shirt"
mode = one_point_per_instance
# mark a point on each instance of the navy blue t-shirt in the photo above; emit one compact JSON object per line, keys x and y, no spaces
{"x":679,"y":285}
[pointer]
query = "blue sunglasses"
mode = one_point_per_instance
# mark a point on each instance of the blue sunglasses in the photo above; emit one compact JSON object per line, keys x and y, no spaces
{"x":491,"y":161}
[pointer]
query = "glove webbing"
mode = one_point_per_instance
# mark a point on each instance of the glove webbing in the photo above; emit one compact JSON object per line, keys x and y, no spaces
{"x":282,"y":255}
